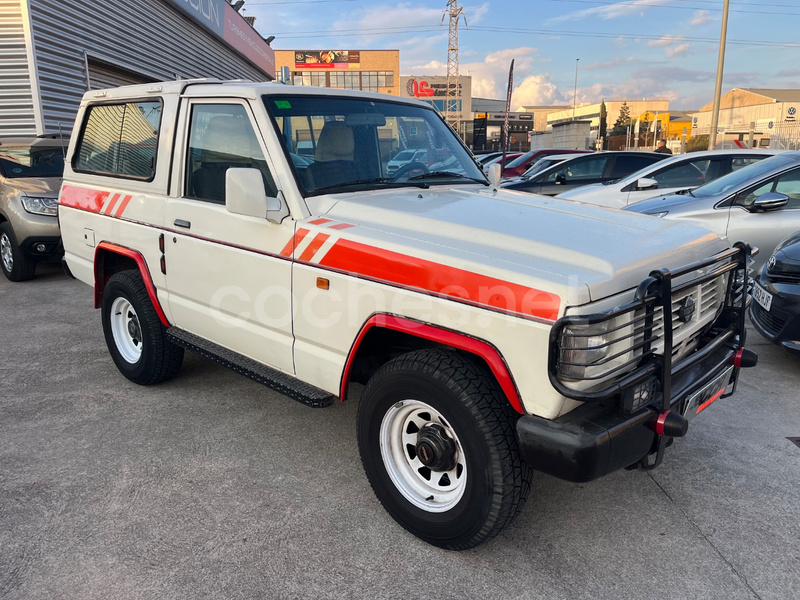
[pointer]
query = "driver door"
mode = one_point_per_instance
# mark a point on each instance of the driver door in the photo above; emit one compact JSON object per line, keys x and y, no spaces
{"x":226,"y":278}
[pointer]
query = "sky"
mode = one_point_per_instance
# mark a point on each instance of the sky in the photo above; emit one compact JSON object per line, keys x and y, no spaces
{"x":623,"y":49}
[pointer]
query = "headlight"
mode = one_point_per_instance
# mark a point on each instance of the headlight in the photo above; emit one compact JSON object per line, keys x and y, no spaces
{"x":581,"y":347}
{"x":40,"y":206}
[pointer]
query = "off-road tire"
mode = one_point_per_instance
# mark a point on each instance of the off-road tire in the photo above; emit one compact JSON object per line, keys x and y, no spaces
{"x":21,"y":268}
{"x":146,"y":357}
{"x":469,"y":406}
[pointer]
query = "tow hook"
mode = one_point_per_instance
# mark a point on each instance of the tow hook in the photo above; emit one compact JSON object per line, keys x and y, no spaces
{"x":670,"y":424}
{"x":744,"y":358}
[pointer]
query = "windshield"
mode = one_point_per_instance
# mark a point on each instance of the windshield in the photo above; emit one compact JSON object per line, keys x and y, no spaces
{"x":31,"y":161}
{"x":743,"y":176}
{"x":354,"y":140}
{"x":520,"y":160}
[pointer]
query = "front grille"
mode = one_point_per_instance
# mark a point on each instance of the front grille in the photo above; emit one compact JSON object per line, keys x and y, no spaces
{"x":769,"y":322}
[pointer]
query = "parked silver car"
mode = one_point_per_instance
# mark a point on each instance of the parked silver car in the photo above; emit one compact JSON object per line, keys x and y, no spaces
{"x":681,"y":172}
{"x":759,"y":204}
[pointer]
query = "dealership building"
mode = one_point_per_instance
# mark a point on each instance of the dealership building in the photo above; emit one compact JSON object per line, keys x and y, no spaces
{"x":54,"y":51}
{"x":368,"y":70}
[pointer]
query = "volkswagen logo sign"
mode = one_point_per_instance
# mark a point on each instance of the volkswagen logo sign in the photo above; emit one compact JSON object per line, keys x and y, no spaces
{"x":771,"y":263}
{"x":686,"y":310}
{"x":792,"y":110}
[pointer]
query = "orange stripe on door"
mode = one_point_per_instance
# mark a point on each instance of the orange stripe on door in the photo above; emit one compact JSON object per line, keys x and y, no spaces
{"x":123,"y":206}
{"x":110,"y":206}
{"x":288,"y":249}
{"x":82,"y":198}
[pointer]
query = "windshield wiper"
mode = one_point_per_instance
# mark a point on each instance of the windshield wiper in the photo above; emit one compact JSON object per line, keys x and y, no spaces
{"x":437,"y":174}
{"x":387,"y":181}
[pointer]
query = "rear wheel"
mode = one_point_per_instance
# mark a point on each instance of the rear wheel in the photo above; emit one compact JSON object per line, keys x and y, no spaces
{"x":134,"y":334}
{"x":16,"y":266}
{"x":436,"y":437}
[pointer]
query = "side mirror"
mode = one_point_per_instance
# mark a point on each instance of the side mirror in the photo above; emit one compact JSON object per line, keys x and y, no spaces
{"x":495,"y":173}
{"x":646,"y":183}
{"x":770,"y":201}
{"x":245,"y":195}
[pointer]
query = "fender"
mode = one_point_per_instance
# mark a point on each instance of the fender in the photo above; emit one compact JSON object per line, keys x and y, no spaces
{"x":100,"y":279}
{"x":443,"y":336}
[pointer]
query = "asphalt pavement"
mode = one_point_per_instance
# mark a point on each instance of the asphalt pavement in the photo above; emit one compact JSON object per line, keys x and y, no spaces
{"x":213,"y":486}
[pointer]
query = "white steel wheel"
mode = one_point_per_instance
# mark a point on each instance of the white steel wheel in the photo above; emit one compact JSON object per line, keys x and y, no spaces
{"x":423,"y":456}
{"x":126,"y":330}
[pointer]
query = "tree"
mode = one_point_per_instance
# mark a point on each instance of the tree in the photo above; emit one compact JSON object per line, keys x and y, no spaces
{"x":601,"y":133}
{"x":623,"y":120}
{"x":697,"y":143}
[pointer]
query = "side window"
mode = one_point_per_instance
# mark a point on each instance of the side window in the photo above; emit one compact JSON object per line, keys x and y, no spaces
{"x":746,"y":197}
{"x":581,"y":169}
{"x":221,"y":137}
{"x":689,"y":174}
{"x":789,"y":184}
{"x":743,"y":161}
{"x":120,"y":140}
{"x":625,"y":165}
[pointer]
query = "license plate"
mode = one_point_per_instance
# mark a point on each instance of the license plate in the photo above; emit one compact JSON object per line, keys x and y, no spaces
{"x":762,"y":296}
{"x":702,"y":399}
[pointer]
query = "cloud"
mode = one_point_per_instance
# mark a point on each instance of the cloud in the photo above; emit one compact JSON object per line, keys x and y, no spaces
{"x":614,"y":62}
{"x":665,"y":40}
{"x":678,"y":50}
{"x":700,"y":17}
{"x":536,"y":90}
{"x":612,"y":11}
{"x":387,"y":17}
{"x":789,"y":73}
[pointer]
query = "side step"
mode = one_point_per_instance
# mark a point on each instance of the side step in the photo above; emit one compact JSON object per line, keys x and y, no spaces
{"x":272,"y":378}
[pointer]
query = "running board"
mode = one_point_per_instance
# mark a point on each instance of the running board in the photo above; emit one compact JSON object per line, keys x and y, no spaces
{"x":272,"y":378}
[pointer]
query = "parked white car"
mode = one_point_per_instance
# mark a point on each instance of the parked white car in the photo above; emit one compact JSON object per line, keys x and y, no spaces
{"x":681,"y":172}
{"x":406,"y":157}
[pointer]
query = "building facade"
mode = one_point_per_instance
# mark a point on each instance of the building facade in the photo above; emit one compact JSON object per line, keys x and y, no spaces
{"x":368,"y":70}
{"x":433,"y":90}
{"x":591,"y":112}
{"x":55,"y":51}
{"x":769,"y":115}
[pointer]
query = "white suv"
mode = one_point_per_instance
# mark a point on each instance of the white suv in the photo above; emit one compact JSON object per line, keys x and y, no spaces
{"x":493,"y":335}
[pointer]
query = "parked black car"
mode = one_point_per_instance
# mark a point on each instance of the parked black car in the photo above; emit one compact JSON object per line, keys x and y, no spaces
{"x":775,"y":310}
{"x":583,"y":170}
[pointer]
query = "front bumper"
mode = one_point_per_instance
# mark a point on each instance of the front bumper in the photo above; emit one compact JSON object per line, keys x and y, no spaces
{"x":43,"y":248}
{"x":597,"y":438}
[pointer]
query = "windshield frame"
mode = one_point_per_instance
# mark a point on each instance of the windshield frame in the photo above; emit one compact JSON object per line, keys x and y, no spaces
{"x":454,"y":144}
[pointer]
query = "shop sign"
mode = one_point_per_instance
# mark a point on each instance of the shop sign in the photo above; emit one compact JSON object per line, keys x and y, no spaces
{"x":327,"y":59}
{"x":423,"y":89}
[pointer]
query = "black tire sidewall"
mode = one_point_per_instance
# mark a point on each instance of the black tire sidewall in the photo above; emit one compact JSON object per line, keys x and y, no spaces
{"x":23,"y":268}
{"x":462,"y":522}
{"x":119,"y":286}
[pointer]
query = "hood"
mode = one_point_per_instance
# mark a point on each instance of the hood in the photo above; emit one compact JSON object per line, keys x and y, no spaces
{"x":661,"y":203}
{"x":579,"y":252}
{"x":35,"y":186}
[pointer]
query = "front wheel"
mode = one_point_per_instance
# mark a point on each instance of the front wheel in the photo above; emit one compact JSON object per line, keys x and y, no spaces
{"x":15,"y":265}
{"x":436,"y":437}
{"x":134,"y":334}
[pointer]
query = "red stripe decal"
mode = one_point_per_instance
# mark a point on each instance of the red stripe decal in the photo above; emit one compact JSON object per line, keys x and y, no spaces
{"x":288,"y":249}
{"x":710,"y":400}
{"x":122,"y":206}
{"x":110,"y":205}
{"x":312,"y":248}
{"x":319,"y":222}
{"x":408,"y":271}
{"x":341,"y":226}
{"x":85,"y":199}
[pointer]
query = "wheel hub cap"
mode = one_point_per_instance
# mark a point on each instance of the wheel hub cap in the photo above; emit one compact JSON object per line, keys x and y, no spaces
{"x":5,"y":252}
{"x":435,"y":450}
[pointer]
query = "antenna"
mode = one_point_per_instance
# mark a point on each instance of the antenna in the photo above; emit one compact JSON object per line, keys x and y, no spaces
{"x":452,"y":106}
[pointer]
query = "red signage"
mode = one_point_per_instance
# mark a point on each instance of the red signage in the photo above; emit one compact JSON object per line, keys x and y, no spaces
{"x":327,"y":59}
{"x":422,"y":89}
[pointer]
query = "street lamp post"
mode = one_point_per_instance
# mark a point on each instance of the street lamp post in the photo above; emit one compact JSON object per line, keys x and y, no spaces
{"x":712,"y":137}
{"x":575,"y":91}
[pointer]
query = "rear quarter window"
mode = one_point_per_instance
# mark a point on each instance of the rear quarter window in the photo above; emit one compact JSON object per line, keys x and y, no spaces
{"x":120,"y":140}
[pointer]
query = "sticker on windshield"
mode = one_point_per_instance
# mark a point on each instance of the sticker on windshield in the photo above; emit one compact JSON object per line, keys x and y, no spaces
{"x":283,"y":104}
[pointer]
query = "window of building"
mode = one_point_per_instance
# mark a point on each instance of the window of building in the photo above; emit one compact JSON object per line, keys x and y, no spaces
{"x":370,"y":81}
{"x":121,"y":140}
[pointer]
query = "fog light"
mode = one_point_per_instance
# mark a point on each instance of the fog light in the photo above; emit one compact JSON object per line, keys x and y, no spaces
{"x":640,"y":396}
{"x":41,"y":247}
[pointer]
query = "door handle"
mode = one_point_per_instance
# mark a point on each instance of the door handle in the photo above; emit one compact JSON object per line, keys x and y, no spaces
{"x":182,"y":223}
